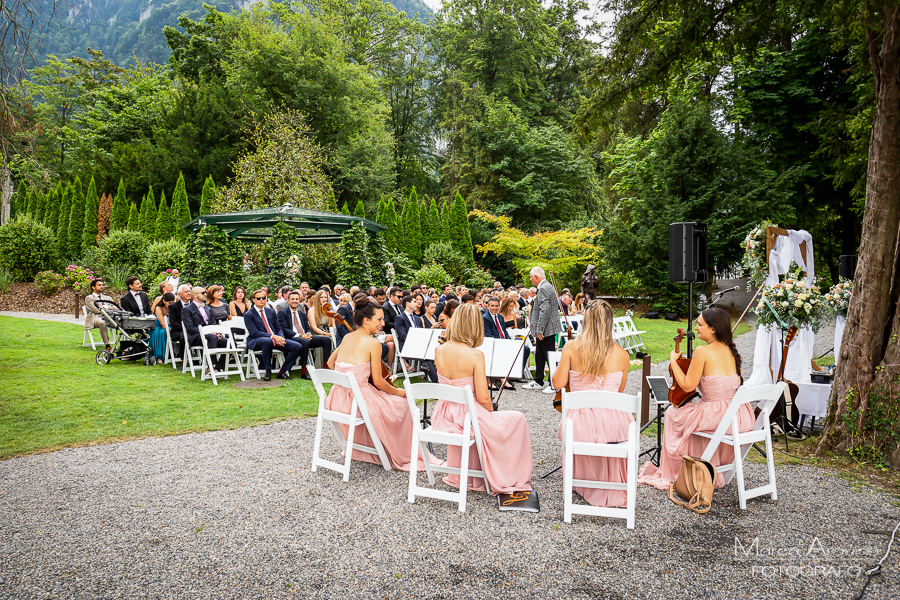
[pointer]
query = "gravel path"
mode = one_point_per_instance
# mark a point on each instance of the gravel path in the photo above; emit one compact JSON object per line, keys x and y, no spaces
{"x":238,"y":514}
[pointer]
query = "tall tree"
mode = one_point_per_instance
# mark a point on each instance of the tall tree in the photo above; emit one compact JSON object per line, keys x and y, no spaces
{"x":64,"y":207}
{"x":91,"y":217}
{"x":53,"y":209}
{"x":394,"y":234}
{"x":103,"y":216}
{"x":206,"y":196}
{"x":445,"y":223}
{"x":360,"y":209}
{"x":76,"y":221}
{"x":118,"y":220}
{"x":181,"y":212}
{"x":460,"y":236}
{"x":165,"y":227}
{"x":345,"y":210}
{"x":19,"y":203}
{"x":133,"y":218}
{"x":147,"y":218}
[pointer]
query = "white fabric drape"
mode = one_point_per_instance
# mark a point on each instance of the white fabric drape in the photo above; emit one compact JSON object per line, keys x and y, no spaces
{"x":768,"y":339}
{"x":839,"y":323}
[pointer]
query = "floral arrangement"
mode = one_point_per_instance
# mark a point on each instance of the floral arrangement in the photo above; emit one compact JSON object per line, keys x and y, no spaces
{"x":389,"y":273}
{"x":796,"y":303}
{"x":292,"y":269}
{"x":629,"y":313}
{"x":79,"y":279}
{"x":838,"y":297}
{"x":49,"y":282}
{"x":755,"y":259}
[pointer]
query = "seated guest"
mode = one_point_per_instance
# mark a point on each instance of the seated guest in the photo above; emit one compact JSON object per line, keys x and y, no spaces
{"x":195,"y":315}
{"x":295,"y":326}
{"x":239,"y":303}
{"x":346,"y":313}
{"x":318,"y":320}
{"x":135,"y":300}
{"x":380,"y":296}
{"x":494,"y":327}
{"x":218,"y":310}
{"x":579,"y":303}
{"x":360,"y":356}
{"x":158,"y":334}
{"x":176,"y":310}
{"x":93,"y":318}
{"x":593,"y":361}
{"x":509,"y":312}
{"x":336,"y":299}
{"x":428,"y":319}
{"x":505,"y":436}
{"x":716,"y":369}
{"x":264,"y":333}
{"x":408,"y":321}
{"x":449,"y":308}
{"x":467,"y":299}
{"x":282,"y":303}
{"x":446,"y":290}
{"x":392,"y":308}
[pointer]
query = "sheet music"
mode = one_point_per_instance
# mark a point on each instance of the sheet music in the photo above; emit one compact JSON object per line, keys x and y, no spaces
{"x":420,"y":344}
{"x":500,"y":355}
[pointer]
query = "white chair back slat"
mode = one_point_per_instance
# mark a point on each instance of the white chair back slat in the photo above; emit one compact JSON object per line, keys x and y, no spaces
{"x":230,"y":351}
{"x":600,"y":399}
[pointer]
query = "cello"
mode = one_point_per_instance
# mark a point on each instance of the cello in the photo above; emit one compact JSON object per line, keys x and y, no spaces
{"x":677,"y":396}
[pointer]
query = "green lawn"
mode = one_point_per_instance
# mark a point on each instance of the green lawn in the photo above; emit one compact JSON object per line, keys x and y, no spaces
{"x":54,"y":395}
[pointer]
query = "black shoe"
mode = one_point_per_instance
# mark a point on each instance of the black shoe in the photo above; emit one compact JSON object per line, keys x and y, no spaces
{"x":267,"y":376}
{"x":283,"y":375}
{"x":509,"y":386}
{"x":305,"y":376}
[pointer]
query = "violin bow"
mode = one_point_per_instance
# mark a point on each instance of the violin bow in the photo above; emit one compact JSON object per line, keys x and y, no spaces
{"x":512,"y":366}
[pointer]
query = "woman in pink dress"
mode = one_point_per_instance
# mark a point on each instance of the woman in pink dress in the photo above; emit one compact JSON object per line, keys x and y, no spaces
{"x":506,"y":441}
{"x":594,"y":361}
{"x":360,"y":355}
{"x":715,"y":369}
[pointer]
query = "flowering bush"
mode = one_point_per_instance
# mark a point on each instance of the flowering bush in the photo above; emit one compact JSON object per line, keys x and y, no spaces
{"x":49,"y":282}
{"x":292,"y":271}
{"x":796,"y":303}
{"x":153,"y":289}
{"x":79,"y":279}
{"x":755,"y":258}
{"x":837,"y":299}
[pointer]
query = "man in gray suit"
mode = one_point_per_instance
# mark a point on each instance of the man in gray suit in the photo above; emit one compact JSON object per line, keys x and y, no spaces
{"x":545,"y":318}
{"x":93,"y":318}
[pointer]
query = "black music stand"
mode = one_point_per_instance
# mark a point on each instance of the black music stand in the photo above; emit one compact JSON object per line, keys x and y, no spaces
{"x":659,"y":388}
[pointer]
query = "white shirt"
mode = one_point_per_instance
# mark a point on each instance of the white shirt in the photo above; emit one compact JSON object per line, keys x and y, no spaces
{"x":137,"y":297}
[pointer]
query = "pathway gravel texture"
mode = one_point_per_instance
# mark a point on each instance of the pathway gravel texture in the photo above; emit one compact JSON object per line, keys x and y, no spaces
{"x":239,"y":514}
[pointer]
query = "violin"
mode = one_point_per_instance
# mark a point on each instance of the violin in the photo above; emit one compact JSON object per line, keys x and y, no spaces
{"x":678,"y":396}
{"x":386,"y":373}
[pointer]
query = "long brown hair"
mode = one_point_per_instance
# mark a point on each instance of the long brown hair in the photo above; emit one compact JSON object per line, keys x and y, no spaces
{"x":466,"y":326}
{"x":719,"y":321}
{"x":594,"y":344}
{"x":317,"y":309}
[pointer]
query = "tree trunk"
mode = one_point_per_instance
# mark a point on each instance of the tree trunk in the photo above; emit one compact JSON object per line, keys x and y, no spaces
{"x":6,"y":191}
{"x":865,"y":403}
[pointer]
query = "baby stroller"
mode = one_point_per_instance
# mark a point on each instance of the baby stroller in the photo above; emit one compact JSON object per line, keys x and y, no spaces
{"x":134,"y":335}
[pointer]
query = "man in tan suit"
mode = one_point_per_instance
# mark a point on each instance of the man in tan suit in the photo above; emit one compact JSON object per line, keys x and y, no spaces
{"x":93,"y":318}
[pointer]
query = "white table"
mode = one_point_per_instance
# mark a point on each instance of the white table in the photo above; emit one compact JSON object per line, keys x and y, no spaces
{"x":812,"y":399}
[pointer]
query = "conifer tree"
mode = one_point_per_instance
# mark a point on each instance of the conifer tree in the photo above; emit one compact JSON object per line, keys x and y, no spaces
{"x":54,"y":202}
{"x":133,"y":218}
{"x":40,"y":204}
{"x":147,"y":218}
{"x":91,"y":215}
{"x":64,"y":208}
{"x":404,"y":243}
{"x":19,"y":200}
{"x":28,"y":199}
{"x":345,"y":210}
{"x":433,"y":219}
{"x":460,"y":236}
{"x":118,"y":220}
{"x":412,"y":229}
{"x":181,"y":210}
{"x":76,"y":220}
{"x":165,"y":227}
{"x":103,"y":215}
{"x":425,"y":226}
{"x":79,"y":188}
{"x":360,"y":209}
{"x":207,"y":196}
{"x":445,"y":222}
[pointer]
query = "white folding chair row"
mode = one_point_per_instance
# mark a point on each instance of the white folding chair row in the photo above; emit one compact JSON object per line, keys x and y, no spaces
{"x":191,"y":354}
{"x":626,"y":334}
{"x":169,"y":357}
{"x":248,"y":357}
{"x":358,"y":415}
{"x":575,"y":321}
{"x":471,"y":435}
{"x":229,"y":351}
{"x":627,"y":449}
{"x":88,"y":333}
{"x":768,"y":396}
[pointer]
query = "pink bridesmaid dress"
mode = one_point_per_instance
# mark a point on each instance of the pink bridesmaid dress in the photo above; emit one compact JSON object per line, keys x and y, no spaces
{"x":599,"y":425}
{"x":705,"y":416}
{"x":506,"y":443}
{"x":389,"y":415}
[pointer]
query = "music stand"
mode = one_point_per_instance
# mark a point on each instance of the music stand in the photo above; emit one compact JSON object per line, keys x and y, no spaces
{"x":419,"y":345}
{"x":659,"y":392}
{"x":502,"y":357}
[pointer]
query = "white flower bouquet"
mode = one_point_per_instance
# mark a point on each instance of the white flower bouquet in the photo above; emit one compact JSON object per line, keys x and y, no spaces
{"x":755,"y":258}
{"x":795,"y":302}
{"x":837,"y":300}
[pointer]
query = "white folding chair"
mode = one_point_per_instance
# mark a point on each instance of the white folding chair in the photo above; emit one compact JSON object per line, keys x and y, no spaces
{"x":336,"y":418}
{"x":553,"y":359}
{"x":170,"y":348}
{"x":635,"y":335}
{"x":88,"y":333}
{"x":768,"y":396}
{"x":627,"y":449}
{"x":421,"y":438}
{"x":187,"y":361}
{"x":230,"y":351}
{"x":406,"y":373}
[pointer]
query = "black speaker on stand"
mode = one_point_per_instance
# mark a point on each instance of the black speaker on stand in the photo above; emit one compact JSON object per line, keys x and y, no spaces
{"x":687,"y":264}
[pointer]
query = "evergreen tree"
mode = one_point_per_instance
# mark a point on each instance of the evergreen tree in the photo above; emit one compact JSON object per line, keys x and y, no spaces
{"x":165,"y":228}
{"x":28,"y":200}
{"x":345,"y":210}
{"x":353,"y":266}
{"x":445,"y":222}
{"x":360,"y":209}
{"x":91,"y":216}
{"x":379,"y":214}
{"x":64,"y":208}
{"x":147,"y":217}
{"x":118,"y":220}
{"x":133,"y":223}
{"x":460,"y":236}
{"x":331,"y":204}
{"x":394,"y":235}
{"x":20,"y":201}
{"x":412,"y":228}
{"x":207,"y":196}
{"x":434,"y":223}
{"x":404,"y":241}
{"x":40,"y":207}
{"x":54,"y":203}
{"x":425,"y":226}
{"x":181,"y":210}
{"x":76,"y":220}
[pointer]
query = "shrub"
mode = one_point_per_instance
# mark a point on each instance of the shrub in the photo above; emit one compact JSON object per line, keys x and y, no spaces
{"x":26,"y":248}
{"x":168,"y":254}
{"x":116,"y":274}
{"x":284,"y":256}
{"x":478,"y":277}
{"x":124,"y":248}
{"x":78,"y":278}
{"x":445,"y":255}
{"x":213,"y":257}
{"x":6,"y":278}
{"x":49,"y":282}
{"x":432,"y":275}
{"x":354,"y":267}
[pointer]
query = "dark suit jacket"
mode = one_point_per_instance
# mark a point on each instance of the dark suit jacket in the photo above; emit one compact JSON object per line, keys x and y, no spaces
{"x":130,"y":304}
{"x":256,"y":329}
{"x":390,"y":315}
{"x":402,"y":327}
{"x":175,"y":314}
{"x":193,"y":320}
{"x":286,"y":320}
{"x":490,"y":329}
{"x":346,"y":312}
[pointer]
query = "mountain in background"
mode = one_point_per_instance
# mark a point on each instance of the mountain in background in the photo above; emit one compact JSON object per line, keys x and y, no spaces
{"x":122,"y":29}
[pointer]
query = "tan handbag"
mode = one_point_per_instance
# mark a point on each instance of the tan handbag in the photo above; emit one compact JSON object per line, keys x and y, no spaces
{"x":695,"y":484}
